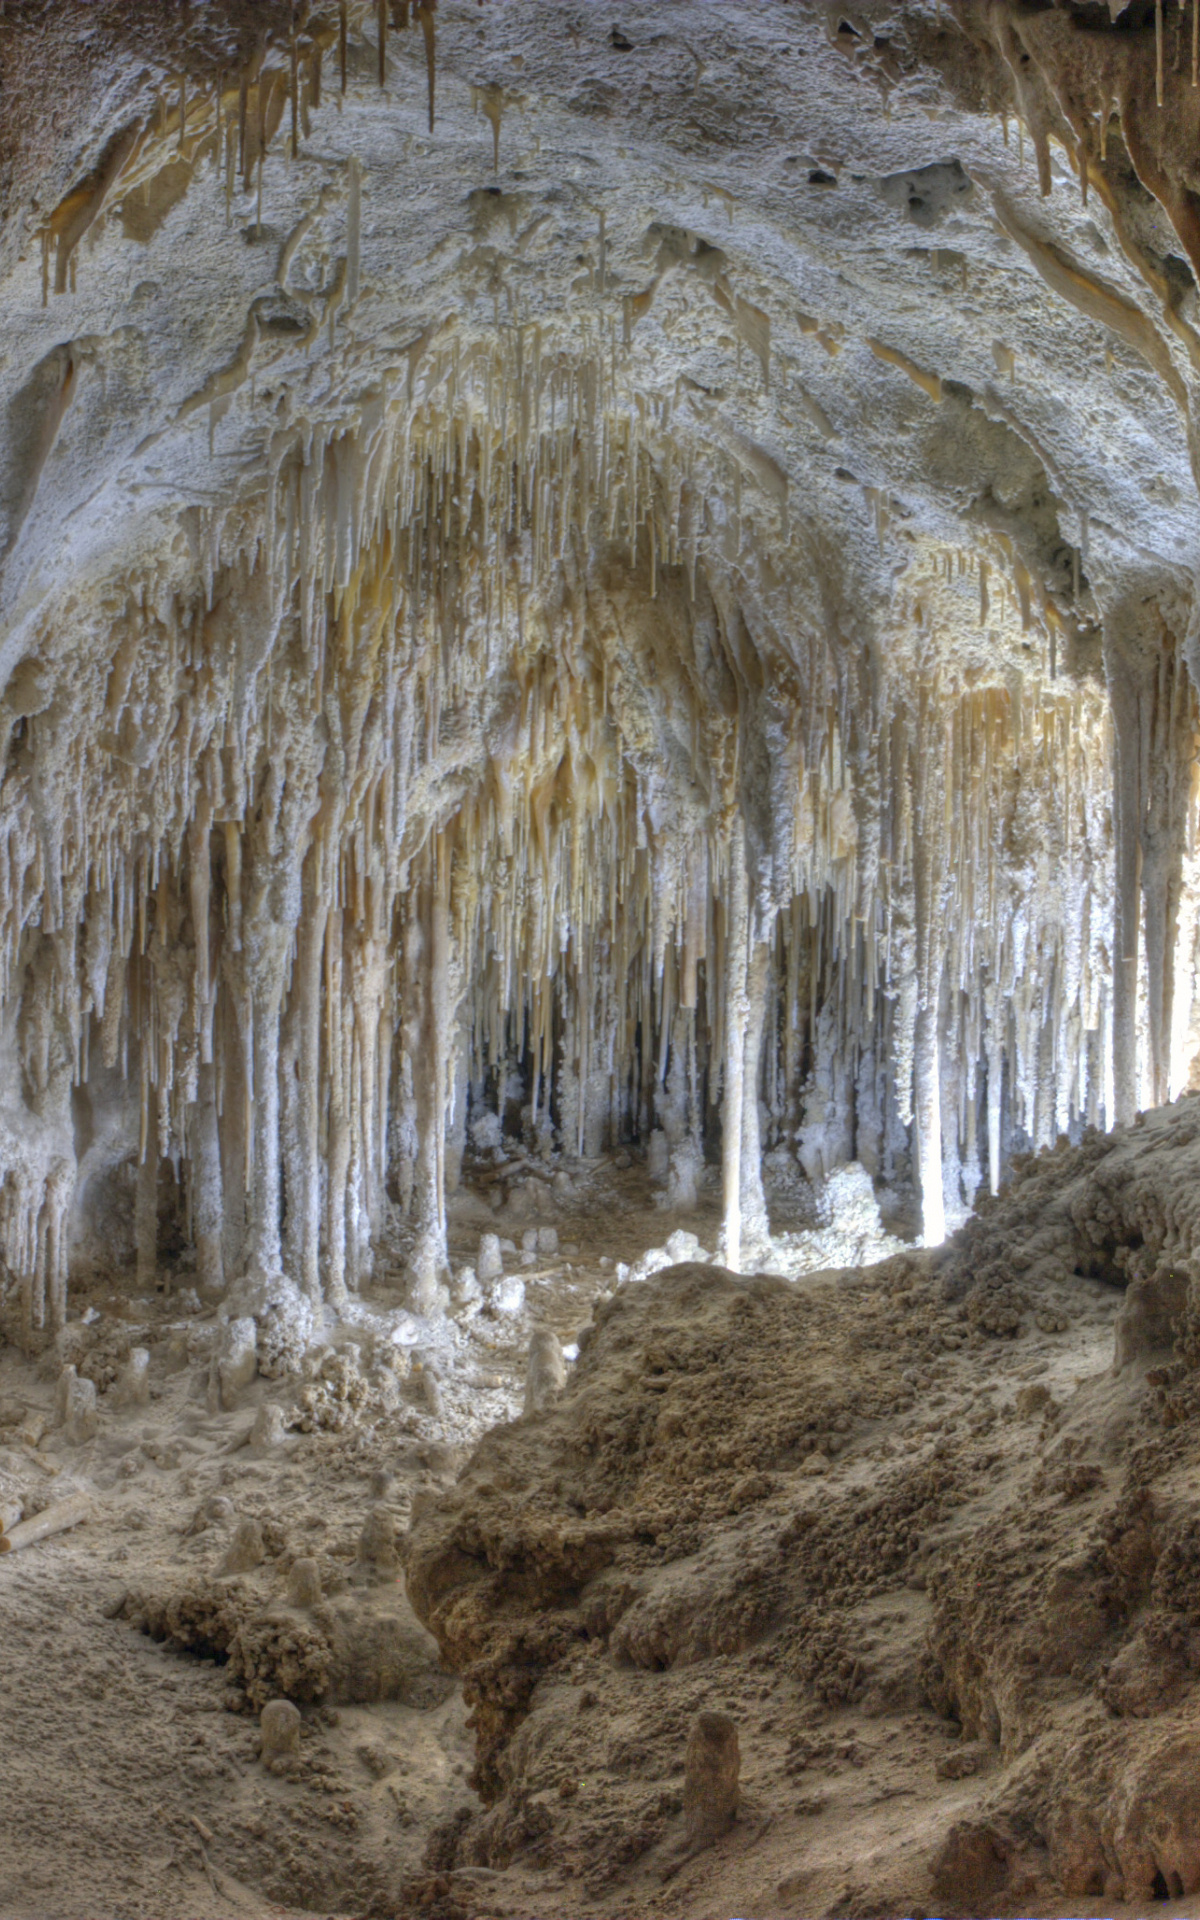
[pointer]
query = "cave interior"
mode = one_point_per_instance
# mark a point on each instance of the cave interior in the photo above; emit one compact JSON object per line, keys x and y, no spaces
{"x":600,"y":824}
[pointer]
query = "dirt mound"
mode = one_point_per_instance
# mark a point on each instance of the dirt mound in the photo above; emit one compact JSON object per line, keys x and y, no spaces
{"x":1122,"y":1207}
{"x":909,"y":1527}
{"x":349,"y":1651}
{"x":691,"y":1402}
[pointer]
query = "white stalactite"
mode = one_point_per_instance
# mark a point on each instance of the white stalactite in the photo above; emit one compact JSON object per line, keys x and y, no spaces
{"x":410,"y":774}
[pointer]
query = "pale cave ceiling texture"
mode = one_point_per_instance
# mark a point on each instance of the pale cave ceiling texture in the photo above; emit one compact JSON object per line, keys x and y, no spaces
{"x":647,"y":548}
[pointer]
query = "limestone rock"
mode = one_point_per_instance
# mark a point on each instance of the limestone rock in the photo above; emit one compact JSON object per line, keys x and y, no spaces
{"x":1150,"y":1314}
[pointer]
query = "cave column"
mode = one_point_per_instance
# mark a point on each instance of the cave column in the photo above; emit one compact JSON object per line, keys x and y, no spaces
{"x":146,"y":1201}
{"x":737,"y":1014}
{"x":60,"y":1189}
{"x":300,"y":1079}
{"x":1164,"y":845}
{"x":35,"y":1308}
{"x":1151,"y":714}
{"x":995,"y":1086}
{"x":1126,"y":916}
{"x":368,"y":975}
{"x":204,"y":1170}
{"x":927,"y":1116}
{"x":338,"y":1135}
{"x":310,"y":945}
{"x":264,"y":1252}
{"x":206,"y":1182}
{"x":430,"y":951}
{"x":754,"y":1221}
{"x":929,"y":881}
{"x":439,"y":1016}
{"x":232,"y":1142}
{"x":279,"y":832}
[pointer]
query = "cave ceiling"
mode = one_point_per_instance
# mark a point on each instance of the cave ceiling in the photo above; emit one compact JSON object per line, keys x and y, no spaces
{"x":812,"y":251}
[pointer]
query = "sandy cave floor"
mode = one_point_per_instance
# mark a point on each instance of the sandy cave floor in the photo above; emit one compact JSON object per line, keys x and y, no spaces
{"x":129,"y":1788}
{"x":122,"y":1747}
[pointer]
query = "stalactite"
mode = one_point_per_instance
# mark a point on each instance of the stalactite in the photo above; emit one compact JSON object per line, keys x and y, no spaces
{"x":393,"y":795}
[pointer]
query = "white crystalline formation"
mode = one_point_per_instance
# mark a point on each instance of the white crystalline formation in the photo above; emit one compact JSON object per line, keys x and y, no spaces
{"x":511,"y":713}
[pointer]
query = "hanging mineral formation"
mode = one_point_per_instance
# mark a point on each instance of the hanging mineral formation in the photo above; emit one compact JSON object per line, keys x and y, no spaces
{"x":505,"y":731}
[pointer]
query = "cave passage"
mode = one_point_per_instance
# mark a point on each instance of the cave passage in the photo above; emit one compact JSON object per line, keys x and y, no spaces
{"x":599,"y":649}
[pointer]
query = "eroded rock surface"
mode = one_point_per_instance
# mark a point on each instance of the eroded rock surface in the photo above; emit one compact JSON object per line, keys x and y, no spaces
{"x":936,"y":1564}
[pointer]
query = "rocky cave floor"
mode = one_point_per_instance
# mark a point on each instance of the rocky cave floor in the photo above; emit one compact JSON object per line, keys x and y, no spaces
{"x":903,"y":1522}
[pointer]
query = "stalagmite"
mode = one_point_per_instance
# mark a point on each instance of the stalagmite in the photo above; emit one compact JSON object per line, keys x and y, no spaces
{"x":236,"y":1362}
{"x":279,"y":1725}
{"x":711,"y":1778}
{"x":377,"y":1558}
{"x":132,"y":1386}
{"x":546,"y":1374}
{"x":75,"y":1406}
{"x":304,"y":1583}
{"x":245,"y":1551}
{"x":206,"y":1182}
